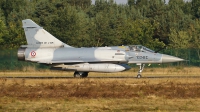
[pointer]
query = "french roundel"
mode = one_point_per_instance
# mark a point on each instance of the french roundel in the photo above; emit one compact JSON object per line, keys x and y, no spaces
{"x":33,"y":53}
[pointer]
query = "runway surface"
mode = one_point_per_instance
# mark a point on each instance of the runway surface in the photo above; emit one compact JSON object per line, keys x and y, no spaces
{"x":53,"y":77}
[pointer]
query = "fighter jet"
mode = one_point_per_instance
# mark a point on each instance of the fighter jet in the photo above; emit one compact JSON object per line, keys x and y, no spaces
{"x":44,"y":48}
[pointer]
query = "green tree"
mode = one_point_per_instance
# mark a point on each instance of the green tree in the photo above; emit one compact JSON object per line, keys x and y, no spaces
{"x":131,"y":2}
{"x":141,"y":3}
{"x":8,"y":6}
{"x":179,"y":39}
{"x":66,"y":22}
{"x":141,"y":32}
{"x":3,"y":31}
{"x":15,"y":11}
{"x":187,"y":8}
{"x":180,"y":3}
{"x":80,"y":3}
{"x":79,"y":23}
{"x":104,"y":31}
{"x":71,"y":27}
{"x":194,"y":31}
{"x":196,"y":8}
{"x":107,"y":25}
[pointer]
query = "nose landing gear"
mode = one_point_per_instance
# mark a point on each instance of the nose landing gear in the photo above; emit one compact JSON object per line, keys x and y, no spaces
{"x":140,"y":71}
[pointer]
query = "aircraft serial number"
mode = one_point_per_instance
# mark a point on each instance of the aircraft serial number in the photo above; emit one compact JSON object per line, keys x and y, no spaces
{"x":44,"y":42}
{"x":142,"y":57}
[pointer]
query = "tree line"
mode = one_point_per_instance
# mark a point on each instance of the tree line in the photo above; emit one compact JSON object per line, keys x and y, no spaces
{"x":151,"y":23}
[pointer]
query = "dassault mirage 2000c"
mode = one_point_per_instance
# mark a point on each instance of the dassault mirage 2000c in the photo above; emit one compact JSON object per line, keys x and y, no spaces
{"x":44,"y":48}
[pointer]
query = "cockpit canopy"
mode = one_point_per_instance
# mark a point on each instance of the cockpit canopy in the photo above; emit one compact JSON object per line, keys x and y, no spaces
{"x":140,"y":48}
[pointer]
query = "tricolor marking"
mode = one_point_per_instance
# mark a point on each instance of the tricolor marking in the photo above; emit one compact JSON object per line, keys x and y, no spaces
{"x":33,"y":53}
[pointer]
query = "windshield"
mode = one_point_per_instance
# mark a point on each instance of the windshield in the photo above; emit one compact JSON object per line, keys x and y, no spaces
{"x":140,"y":48}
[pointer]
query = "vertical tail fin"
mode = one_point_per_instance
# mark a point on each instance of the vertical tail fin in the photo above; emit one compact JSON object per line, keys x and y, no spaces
{"x":36,"y":36}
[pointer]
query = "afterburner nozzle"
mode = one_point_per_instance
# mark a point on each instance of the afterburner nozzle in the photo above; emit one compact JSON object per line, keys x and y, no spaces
{"x":168,"y":58}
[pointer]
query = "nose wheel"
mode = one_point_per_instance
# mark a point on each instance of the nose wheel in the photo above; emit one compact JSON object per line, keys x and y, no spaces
{"x":140,"y":71}
{"x":139,"y":76}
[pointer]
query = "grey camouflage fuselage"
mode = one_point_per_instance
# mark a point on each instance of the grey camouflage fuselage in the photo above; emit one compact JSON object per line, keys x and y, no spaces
{"x":45,"y":48}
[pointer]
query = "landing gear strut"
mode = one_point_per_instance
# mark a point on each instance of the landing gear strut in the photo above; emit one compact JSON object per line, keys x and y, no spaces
{"x":140,"y":71}
{"x":80,"y":74}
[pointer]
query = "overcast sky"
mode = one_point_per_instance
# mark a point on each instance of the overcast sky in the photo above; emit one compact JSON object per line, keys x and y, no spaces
{"x":125,"y":1}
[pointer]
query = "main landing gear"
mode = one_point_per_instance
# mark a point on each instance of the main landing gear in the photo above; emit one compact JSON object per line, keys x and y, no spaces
{"x":140,"y":71}
{"x":80,"y":74}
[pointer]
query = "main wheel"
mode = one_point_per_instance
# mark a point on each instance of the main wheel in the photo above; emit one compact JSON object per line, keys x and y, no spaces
{"x":77,"y":74}
{"x":80,"y":74}
{"x":85,"y":74}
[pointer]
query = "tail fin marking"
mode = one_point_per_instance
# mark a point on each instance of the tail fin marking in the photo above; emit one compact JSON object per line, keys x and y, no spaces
{"x":36,"y":36}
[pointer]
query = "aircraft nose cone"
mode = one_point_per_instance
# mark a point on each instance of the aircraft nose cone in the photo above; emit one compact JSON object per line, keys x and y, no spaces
{"x":168,"y":58}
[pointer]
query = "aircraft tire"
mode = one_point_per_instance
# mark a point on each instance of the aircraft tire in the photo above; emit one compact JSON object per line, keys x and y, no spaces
{"x":85,"y":74}
{"x":77,"y":75}
{"x":139,"y":76}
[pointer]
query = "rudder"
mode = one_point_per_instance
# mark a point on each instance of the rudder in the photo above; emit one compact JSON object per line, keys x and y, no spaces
{"x":36,"y":36}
